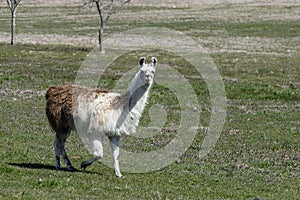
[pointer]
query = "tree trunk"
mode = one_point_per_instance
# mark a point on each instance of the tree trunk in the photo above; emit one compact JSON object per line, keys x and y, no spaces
{"x":101,"y":31}
{"x":101,"y":28}
{"x":13,"y":24}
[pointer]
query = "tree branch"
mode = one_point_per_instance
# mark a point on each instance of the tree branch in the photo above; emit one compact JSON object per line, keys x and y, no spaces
{"x":9,"y":5}
{"x":113,"y":10}
{"x":17,"y":2}
{"x":110,"y":10}
{"x":13,"y":4}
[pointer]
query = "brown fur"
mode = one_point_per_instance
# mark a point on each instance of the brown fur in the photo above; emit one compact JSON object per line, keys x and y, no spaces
{"x":59,"y":106}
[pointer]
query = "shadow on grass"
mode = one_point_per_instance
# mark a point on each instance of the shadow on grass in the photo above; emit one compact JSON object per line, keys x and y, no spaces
{"x":48,"y":167}
{"x":34,"y":166}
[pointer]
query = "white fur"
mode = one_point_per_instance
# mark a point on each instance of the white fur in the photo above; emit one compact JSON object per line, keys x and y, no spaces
{"x":112,"y":114}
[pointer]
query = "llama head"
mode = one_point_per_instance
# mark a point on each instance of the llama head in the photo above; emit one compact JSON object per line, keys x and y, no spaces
{"x":146,"y":73}
{"x":144,"y":77}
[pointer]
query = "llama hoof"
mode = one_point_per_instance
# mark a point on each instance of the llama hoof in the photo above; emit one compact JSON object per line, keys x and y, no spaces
{"x":84,"y":165}
{"x":57,"y":168}
{"x":119,"y":175}
{"x":72,"y":169}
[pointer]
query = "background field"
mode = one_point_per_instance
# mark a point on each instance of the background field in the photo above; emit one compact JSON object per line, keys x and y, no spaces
{"x":255,"y":45}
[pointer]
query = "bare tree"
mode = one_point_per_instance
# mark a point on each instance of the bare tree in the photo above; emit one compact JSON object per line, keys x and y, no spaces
{"x":106,"y":8}
{"x":13,"y":4}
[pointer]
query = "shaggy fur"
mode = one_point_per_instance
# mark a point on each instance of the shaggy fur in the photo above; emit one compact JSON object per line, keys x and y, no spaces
{"x":98,"y":113}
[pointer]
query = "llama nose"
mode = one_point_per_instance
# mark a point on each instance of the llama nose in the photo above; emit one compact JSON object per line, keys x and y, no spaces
{"x":147,"y":75}
{"x":147,"y":78}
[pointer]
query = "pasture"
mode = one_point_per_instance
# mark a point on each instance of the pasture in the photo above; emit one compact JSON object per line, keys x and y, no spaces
{"x":255,"y":46}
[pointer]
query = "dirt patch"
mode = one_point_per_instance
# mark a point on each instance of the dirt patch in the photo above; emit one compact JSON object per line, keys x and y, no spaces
{"x":20,"y":94}
{"x":50,"y":39}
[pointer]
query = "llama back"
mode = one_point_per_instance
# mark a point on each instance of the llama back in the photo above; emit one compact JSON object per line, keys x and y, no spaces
{"x":98,"y":112}
{"x":62,"y":104}
{"x":92,"y":110}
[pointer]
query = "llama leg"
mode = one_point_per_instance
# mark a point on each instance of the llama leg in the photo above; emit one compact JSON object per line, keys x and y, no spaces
{"x":57,"y":153}
{"x":67,"y":160}
{"x":87,"y":163}
{"x":59,"y":146}
{"x":63,"y":140}
{"x":98,"y":154}
{"x":115,"y":148}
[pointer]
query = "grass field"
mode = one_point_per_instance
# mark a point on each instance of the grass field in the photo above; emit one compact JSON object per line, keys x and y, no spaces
{"x":256,"y":49}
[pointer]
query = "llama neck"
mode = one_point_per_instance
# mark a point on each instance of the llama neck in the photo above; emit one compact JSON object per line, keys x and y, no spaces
{"x":138,"y":99}
{"x":133,"y":104}
{"x":137,"y":95}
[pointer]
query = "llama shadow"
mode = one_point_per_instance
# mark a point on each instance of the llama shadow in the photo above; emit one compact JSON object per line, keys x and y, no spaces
{"x":35,"y":166}
{"x":48,"y":167}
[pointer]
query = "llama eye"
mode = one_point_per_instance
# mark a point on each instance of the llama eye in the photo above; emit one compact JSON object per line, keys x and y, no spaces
{"x":152,"y":72}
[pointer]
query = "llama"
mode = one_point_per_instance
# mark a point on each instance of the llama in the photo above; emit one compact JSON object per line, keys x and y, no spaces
{"x":98,"y":112}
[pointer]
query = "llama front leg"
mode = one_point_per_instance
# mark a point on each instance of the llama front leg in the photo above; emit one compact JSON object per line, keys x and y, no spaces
{"x":98,"y":154}
{"x":87,"y":163}
{"x":115,"y":148}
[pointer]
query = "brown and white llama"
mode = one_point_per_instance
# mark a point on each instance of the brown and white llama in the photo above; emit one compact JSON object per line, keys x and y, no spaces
{"x":98,"y":113}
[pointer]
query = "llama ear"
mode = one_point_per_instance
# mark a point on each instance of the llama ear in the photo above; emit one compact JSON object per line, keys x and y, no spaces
{"x":142,"y":61}
{"x":154,"y":61}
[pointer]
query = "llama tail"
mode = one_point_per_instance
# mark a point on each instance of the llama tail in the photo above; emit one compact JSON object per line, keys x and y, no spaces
{"x":49,"y":92}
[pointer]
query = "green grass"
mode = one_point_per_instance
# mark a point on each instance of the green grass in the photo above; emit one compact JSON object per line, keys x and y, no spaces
{"x":257,"y":155}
